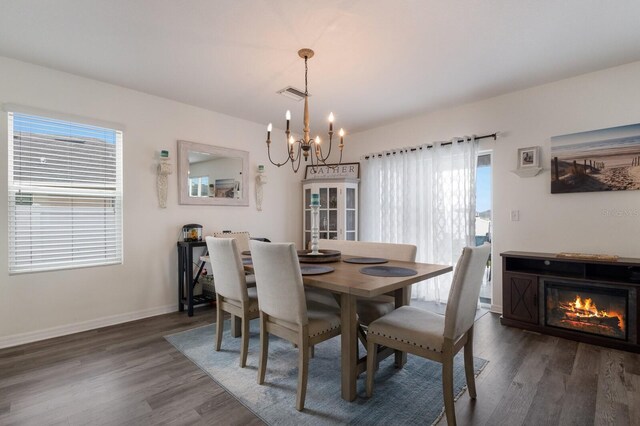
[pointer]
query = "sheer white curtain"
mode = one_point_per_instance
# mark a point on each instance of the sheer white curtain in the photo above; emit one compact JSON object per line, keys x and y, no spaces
{"x":424,"y":197}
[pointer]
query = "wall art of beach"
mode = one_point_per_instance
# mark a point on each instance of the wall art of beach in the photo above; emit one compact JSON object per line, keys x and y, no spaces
{"x":598,"y":160}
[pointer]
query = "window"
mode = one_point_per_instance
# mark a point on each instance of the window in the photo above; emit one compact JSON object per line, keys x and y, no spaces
{"x":199,"y":186}
{"x":65,"y":194}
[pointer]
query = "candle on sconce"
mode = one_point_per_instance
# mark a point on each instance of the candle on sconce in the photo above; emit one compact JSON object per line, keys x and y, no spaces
{"x":331,"y":118}
{"x":342,"y":136}
{"x":288,"y":117}
{"x":269,"y":127}
{"x":315,"y":199}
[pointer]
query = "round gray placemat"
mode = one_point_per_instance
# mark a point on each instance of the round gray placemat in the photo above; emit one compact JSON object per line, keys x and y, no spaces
{"x":324,"y":256}
{"x":315,"y":269}
{"x":388,"y":271}
{"x":365,"y":260}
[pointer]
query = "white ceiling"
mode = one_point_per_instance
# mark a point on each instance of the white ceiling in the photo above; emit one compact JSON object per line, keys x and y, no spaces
{"x":376,"y":60}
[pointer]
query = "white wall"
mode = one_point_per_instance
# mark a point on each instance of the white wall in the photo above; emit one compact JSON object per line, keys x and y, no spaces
{"x":34,"y":306}
{"x":548,"y":223}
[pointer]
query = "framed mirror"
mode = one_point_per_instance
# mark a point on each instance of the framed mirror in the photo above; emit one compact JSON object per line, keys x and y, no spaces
{"x":212,"y":175}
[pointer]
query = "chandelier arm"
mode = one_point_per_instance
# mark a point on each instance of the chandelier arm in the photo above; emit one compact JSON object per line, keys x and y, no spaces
{"x":272,"y":162}
{"x":314,"y":167}
{"x":290,"y":151}
{"x":297,"y":166}
{"x":317,"y":151}
{"x":324,"y":159}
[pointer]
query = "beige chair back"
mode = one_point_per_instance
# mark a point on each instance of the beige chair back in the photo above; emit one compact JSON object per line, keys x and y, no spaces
{"x":242,"y":239}
{"x":465,"y":290}
{"x":391,"y":251}
{"x":279,"y":281}
{"x":228,"y":272}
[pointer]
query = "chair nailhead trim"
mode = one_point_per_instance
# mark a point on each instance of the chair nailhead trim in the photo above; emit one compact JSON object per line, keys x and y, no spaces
{"x":404,"y":341}
{"x":324,"y":331}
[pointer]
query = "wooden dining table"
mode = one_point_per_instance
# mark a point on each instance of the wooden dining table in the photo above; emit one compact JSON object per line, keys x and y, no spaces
{"x":349,"y":284}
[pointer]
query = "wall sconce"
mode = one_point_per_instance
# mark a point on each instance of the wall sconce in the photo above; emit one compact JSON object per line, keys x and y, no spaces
{"x":165,"y":168}
{"x":261,"y":180}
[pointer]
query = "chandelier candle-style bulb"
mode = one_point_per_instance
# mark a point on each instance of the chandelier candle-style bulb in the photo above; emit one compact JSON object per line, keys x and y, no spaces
{"x":304,"y":147}
{"x":269,"y":127}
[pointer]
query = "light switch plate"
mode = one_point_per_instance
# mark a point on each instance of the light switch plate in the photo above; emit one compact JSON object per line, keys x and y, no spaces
{"x":515,"y":215}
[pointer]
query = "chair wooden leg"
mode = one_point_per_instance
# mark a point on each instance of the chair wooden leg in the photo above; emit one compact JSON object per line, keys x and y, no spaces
{"x":362,"y":335}
{"x":372,"y":352}
{"x":468,"y":365}
{"x":303,"y":368}
{"x":244,"y":345}
{"x":264,"y":349}
{"x":447,"y":387}
{"x":219,"y":322}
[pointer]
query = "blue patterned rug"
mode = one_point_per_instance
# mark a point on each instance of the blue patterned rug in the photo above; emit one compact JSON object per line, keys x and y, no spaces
{"x":411,"y":395}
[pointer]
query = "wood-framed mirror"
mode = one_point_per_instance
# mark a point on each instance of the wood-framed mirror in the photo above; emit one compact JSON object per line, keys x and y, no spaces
{"x":212,"y":175}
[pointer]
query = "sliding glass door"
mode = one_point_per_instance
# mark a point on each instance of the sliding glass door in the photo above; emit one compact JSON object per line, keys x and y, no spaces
{"x":484,"y":217}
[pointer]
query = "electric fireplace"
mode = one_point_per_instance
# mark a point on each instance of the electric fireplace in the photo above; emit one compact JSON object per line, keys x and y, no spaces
{"x":596,"y":301}
{"x":587,"y":308}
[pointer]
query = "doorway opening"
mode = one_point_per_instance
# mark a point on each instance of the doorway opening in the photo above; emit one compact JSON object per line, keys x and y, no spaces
{"x":484,"y":228}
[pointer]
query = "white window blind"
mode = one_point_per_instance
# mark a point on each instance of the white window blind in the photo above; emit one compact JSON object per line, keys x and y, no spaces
{"x":65,"y":194}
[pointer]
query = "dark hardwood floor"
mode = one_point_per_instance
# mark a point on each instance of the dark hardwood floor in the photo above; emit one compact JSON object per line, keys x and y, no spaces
{"x":128,"y":374}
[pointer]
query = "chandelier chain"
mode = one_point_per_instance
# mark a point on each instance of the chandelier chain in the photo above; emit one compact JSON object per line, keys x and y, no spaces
{"x":306,"y":70}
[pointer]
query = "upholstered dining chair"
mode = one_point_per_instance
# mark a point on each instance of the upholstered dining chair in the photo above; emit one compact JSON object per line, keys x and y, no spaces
{"x":232,"y":294}
{"x":242,"y":239}
{"x":284,"y":310}
{"x":370,"y":309}
{"x":433,"y":336}
{"x":242,"y":244}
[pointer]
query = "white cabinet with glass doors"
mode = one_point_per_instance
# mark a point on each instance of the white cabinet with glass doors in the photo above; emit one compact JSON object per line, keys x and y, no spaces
{"x":338,"y":213}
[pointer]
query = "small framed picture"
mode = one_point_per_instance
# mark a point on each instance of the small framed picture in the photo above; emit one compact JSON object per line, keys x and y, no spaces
{"x":529,"y":157}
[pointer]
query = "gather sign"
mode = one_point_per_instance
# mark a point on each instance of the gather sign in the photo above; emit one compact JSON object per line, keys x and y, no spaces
{"x":333,"y":171}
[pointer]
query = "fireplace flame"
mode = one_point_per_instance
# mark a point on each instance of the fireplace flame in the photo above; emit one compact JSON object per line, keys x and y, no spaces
{"x":587,"y":309}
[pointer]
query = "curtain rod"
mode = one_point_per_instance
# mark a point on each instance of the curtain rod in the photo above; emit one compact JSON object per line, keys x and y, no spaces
{"x":492,"y":135}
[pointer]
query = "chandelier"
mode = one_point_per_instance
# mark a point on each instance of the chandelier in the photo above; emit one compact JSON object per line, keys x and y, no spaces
{"x":306,"y":147}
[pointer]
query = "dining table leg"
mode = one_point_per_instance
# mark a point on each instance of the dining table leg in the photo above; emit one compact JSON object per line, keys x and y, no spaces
{"x":401,"y":297}
{"x":349,"y":345}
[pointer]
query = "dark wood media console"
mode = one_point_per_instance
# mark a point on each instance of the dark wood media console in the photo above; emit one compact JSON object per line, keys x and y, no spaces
{"x":592,"y":301}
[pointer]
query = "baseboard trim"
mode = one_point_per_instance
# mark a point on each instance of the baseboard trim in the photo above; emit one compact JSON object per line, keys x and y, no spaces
{"x":63,"y":330}
{"x":496,"y":309}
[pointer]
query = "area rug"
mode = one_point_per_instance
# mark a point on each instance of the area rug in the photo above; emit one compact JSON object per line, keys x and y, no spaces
{"x":411,"y":395}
